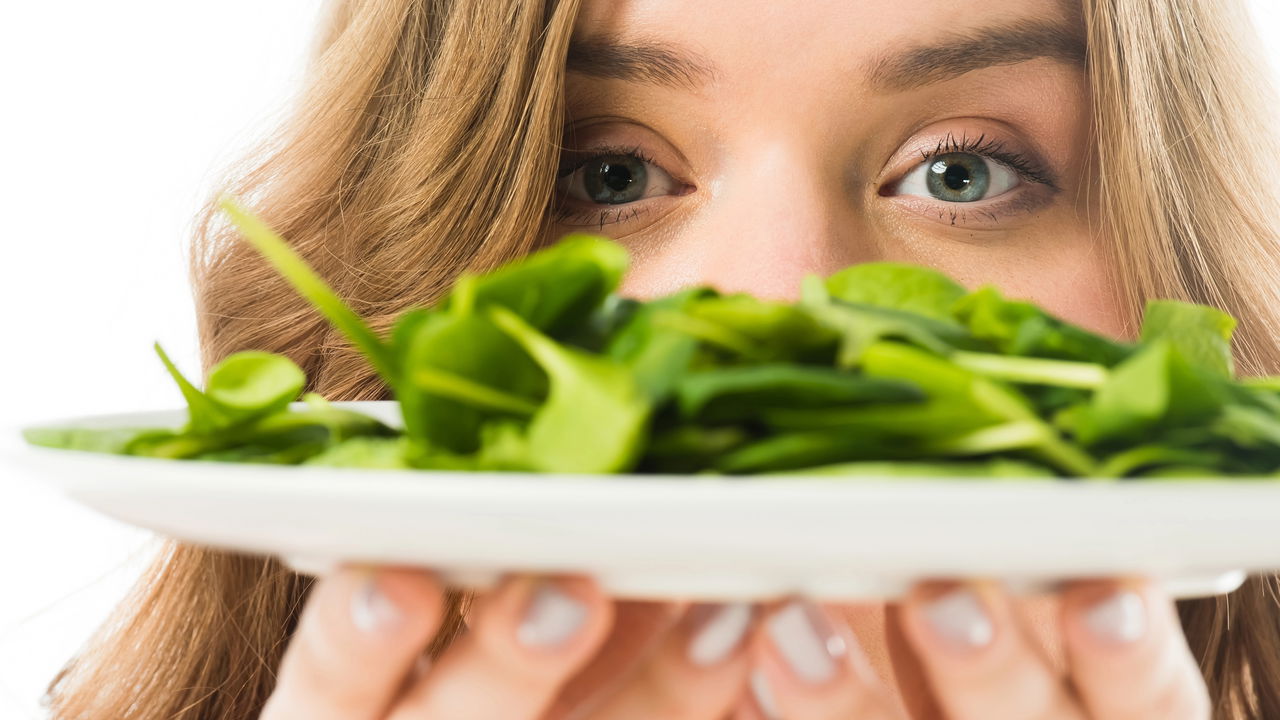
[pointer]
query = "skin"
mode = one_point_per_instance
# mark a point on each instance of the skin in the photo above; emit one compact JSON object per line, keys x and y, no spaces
{"x":783,"y":163}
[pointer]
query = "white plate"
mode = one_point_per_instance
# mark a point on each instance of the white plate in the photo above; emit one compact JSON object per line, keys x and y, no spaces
{"x":686,"y":536}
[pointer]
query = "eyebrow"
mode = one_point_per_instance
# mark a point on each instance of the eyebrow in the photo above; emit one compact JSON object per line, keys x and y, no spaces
{"x":976,"y":49}
{"x":662,"y":64}
{"x":642,"y":61}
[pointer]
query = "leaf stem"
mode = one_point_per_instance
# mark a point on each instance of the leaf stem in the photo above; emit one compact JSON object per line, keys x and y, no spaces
{"x":1063,"y":373}
{"x":456,"y":387}
{"x":295,"y":270}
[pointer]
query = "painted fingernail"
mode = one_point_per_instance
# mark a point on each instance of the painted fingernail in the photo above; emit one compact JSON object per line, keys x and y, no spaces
{"x":1121,"y":618}
{"x":806,"y":641}
{"x":551,"y":618}
{"x":763,"y":694}
{"x":371,"y":610}
{"x":719,"y":630}
{"x":959,"y":618}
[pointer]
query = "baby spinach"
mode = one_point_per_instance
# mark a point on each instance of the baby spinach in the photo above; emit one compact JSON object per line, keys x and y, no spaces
{"x":881,"y":369}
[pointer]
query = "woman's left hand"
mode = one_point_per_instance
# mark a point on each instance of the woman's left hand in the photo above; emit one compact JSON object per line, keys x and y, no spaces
{"x":1126,"y":659}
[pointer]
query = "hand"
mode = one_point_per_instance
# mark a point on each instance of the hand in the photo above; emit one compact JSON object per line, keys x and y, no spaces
{"x":1126,"y":657}
{"x":355,"y":654}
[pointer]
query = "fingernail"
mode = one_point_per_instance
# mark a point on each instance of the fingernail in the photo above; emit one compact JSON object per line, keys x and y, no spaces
{"x":764,"y":696}
{"x":806,"y":641}
{"x":719,"y":630}
{"x":1120,"y":619}
{"x":371,"y":610}
{"x":552,"y":617}
{"x":959,"y":618}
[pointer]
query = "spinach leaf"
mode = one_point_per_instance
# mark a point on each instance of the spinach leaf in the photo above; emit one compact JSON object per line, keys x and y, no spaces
{"x":382,"y":453}
{"x":658,"y":355}
{"x":897,"y":286}
{"x":114,"y":441}
{"x":798,"y":450}
{"x":995,"y":468}
{"x":773,"y":331}
{"x":1201,"y":334}
{"x":738,"y":393}
{"x":461,"y":370}
{"x":244,"y":386}
{"x":881,"y":369}
{"x":1016,"y":327}
{"x":554,"y":290}
{"x":859,"y":325}
{"x":1154,"y":388}
{"x":595,"y":416}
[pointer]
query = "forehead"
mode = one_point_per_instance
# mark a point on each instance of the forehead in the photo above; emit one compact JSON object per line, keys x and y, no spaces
{"x":747,"y":41}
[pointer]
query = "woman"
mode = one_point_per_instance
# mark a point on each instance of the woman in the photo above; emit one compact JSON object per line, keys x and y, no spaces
{"x":1086,"y":155}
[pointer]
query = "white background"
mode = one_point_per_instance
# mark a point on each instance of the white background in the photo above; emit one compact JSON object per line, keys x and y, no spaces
{"x":115,"y":117}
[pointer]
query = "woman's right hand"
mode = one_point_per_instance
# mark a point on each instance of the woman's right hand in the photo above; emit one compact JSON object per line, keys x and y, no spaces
{"x":355,"y":654}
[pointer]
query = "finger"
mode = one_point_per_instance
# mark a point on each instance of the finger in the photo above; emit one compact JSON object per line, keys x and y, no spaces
{"x":916,"y":695}
{"x":697,"y":673}
{"x":978,"y":660}
{"x":1128,"y":655}
{"x":358,"y":638}
{"x":527,"y":638}
{"x":638,"y":628}
{"x":811,"y":667}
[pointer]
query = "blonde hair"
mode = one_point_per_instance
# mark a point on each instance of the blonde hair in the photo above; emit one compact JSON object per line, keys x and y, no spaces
{"x":426,"y":143}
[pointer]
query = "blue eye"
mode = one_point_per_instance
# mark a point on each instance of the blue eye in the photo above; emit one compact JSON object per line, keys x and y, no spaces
{"x":959,"y":177}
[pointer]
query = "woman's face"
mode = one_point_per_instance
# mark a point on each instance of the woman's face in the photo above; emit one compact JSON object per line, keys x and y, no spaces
{"x":745,"y":144}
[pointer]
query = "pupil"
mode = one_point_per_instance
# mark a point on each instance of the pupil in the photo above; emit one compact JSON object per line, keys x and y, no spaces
{"x":616,"y":177}
{"x":615,"y":180}
{"x":956,"y":177}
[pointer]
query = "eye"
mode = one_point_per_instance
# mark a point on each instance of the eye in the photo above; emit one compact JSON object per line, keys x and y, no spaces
{"x":615,"y":179}
{"x":959,"y":177}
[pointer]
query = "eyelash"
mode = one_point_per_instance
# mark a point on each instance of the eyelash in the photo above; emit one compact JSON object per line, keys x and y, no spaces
{"x":607,"y":215}
{"x":1027,"y":168}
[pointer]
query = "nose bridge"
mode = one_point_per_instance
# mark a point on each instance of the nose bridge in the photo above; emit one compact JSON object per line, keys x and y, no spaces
{"x":773,"y":219}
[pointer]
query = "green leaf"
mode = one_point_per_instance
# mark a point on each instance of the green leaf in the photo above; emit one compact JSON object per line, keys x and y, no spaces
{"x":1248,"y":427}
{"x":254,"y":383}
{"x":595,"y":416}
{"x":1201,"y":334}
{"x":1016,"y":327}
{"x":289,"y":437}
{"x":897,"y":286}
{"x":657,"y":355}
{"x":859,"y":326}
{"x":244,"y":386}
{"x":381,"y":453}
{"x":738,"y":393}
{"x":456,"y":387}
{"x":555,"y":289}
{"x":798,"y":450}
{"x":1145,"y":458}
{"x":461,"y":371}
{"x":775,"y":331}
{"x":101,"y":440}
{"x":690,"y":448}
{"x":933,"y":417}
{"x":203,"y":415}
{"x":989,"y":401}
{"x":995,"y":468}
{"x":1154,"y":388}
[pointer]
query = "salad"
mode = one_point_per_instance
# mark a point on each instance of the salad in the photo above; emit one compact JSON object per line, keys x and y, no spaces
{"x":880,"y":368}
